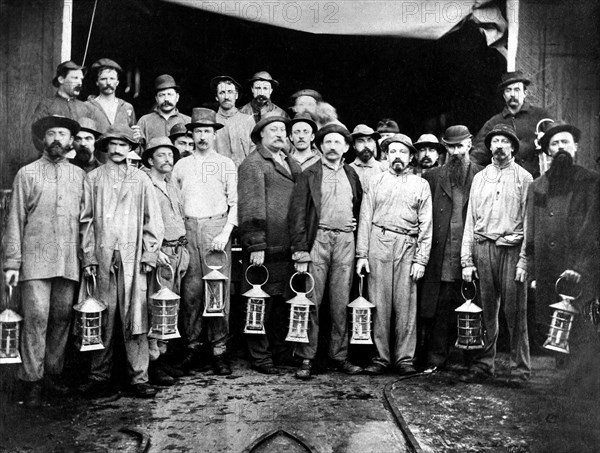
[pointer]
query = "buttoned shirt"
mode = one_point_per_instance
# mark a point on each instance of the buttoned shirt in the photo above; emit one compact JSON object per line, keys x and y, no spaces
{"x":336,"y":198}
{"x":366,"y":170}
{"x":153,"y":124}
{"x":124,"y":116}
{"x":233,"y":140}
{"x":170,"y":207}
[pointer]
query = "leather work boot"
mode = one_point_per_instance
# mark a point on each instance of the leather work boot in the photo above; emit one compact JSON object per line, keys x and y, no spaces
{"x":157,"y":376}
{"x":142,"y":390}
{"x":53,"y":386}
{"x":347,"y":367}
{"x":375,"y":369}
{"x":220,"y":365}
{"x":305,"y":370}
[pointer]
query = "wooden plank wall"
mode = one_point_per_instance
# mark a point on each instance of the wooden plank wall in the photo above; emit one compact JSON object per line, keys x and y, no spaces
{"x":559,"y":46}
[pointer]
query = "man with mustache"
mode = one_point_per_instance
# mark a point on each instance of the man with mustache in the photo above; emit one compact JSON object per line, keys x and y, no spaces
{"x":366,"y":146}
{"x":302,"y":135}
{"x":233,"y":140}
{"x":393,"y":244}
{"x":262,"y":85}
{"x":428,"y":153}
{"x":440,"y":292}
{"x":182,"y":140}
{"x":521,"y":116}
{"x":159,"y":122}
{"x":493,"y":251}
{"x":306,"y":100}
{"x":208,"y":184}
{"x":85,"y":145}
{"x":40,"y":243}
{"x":386,"y":127}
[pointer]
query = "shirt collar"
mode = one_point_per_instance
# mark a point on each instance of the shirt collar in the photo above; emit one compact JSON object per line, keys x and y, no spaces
{"x":326,"y":163}
{"x":370,"y":163}
{"x":506,"y":113}
{"x":228,"y":113}
{"x":174,"y":112}
{"x":506,"y":165}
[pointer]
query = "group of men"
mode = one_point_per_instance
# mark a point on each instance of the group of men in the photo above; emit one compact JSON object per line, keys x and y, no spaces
{"x":400,"y":213}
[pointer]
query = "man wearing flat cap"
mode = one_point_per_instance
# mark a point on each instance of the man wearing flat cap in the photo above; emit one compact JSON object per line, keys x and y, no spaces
{"x":122,"y":233}
{"x":41,"y":244}
{"x":182,"y":140}
{"x":208,"y":184}
{"x":302,"y":135}
{"x":85,"y":145}
{"x":521,"y":116}
{"x":233,"y":140}
{"x":393,"y":244}
{"x":366,"y":146}
{"x":159,"y":122}
{"x":306,"y":100}
{"x":262,"y":86}
{"x":428,"y":149}
{"x":493,"y":250}
{"x":266,"y":181}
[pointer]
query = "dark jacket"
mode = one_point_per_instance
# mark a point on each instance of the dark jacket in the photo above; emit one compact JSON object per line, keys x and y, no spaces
{"x":441,"y":195}
{"x":306,"y":205}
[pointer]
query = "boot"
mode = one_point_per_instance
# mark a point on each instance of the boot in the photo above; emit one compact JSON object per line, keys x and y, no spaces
{"x":221,"y":366}
{"x":33,"y":394}
{"x":157,"y":376}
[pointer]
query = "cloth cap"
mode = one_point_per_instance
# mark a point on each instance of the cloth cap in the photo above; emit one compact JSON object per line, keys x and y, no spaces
{"x":106,"y":63}
{"x":154,"y":144}
{"x":63,"y":69}
{"x":507,"y":131}
{"x":177,"y":131}
{"x":398,"y":138}
{"x":362,"y":130}
{"x":116,"y":132}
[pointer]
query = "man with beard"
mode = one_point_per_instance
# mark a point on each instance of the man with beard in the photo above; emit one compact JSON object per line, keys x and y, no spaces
{"x":493,"y":250}
{"x":394,"y":240}
{"x":563,"y":223}
{"x":85,"y":145}
{"x":233,"y":140}
{"x":262,"y":85}
{"x":182,"y":140}
{"x":440,"y":293}
{"x":302,"y":134}
{"x":521,"y":116}
{"x":365,"y":144}
{"x":165,"y":115}
{"x":40,"y":244}
{"x":208,"y":184}
{"x":428,"y":153}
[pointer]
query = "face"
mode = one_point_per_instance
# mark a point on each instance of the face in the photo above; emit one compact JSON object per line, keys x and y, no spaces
{"x":57,"y":142}
{"x":185,"y":145}
{"x":167,"y":100}
{"x":514,"y":95}
{"x":501,"y":148}
{"x":459,"y":149}
{"x":107,"y":82}
{"x":273,"y":135}
{"x":365,"y":148}
{"x":334,"y":146}
{"x":562,"y":141}
{"x":305,"y":104}
{"x":204,"y":138}
{"x":262,"y":88}
{"x":84,"y":145}
{"x":398,"y":156}
{"x":427,"y":156}
{"x":226,"y":95}
{"x":162,"y":160}
{"x":118,"y":150}
{"x":385,"y":135}
{"x":71,"y":83}
{"x":302,"y":136}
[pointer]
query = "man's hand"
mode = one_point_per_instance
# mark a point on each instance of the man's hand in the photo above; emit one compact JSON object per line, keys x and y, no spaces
{"x":417,"y":271}
{"x":362,"y":264}
{"x":571,"y":276}
{"x":146,"y":268}
{"x":257,"y":258}
{"x":137,"y":133}
{"x":469,"y":274}
{"x":521,"y":275}
{"x":219,"y":242}
{"x":301,"y":267}
{"x":88,"y":271}
{"x":11,"y":277}
{"x":163,"y":259}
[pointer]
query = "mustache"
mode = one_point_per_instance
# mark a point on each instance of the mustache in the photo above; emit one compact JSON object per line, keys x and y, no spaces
{"x":426,"y":160}
{"x":167,"y":104}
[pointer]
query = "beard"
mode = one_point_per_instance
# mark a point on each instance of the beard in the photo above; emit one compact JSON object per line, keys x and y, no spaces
{"x":456,"y":169}
{"x":560,"y":173}
{"x":260,"y":100}
{"x":56,"y":150}
{"x":365,"y":154}
{"x":84,"y":154}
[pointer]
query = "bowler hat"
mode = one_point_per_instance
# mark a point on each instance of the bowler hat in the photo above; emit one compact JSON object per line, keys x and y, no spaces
{"x":305,"y":117}
{"x":431,"y":141}
{"x":388,"y":125}
{"x":268,"y":118}
{"x":89,"y":125}
{"x":307,"y":92}
{"x":154,"y":144}
{"x":39,"y":128}
{"x":264,"y":76}
{"x":555,"y":128}
{"x":106,"y":63}
{"x":330,"y":129}
{"x":398,"y":138}
{"x":509,"y":78}
{"x":63,"y":69}
{"x":214,"y":83}
{"x":505,"y":130}
{"x":456,"y":134}
{"x":202,"y":117}
{"x":362,"y":130}
{"x":178,"y":130}
{"x":119,"y":133}
{"x":164,"y":82}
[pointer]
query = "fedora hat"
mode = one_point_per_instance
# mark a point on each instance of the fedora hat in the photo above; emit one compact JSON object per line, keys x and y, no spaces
{"x":305,"y":117}
{"x":106,"y":63}
{"x":362,"y":130}
{"x":555,"y":128}
{"x":116,"y":132}
{"x":330,"y":129}
{"x":388,"y":125}
{"x":429,"y":140}
{"x":456,"y":134}
{"x":268,"y":118}
{"x":177,"y":131}
{"x":39,"y":128}
{"x":265,"y":77}
{"x":398,"y":138}
{"x":307,"y":92}
{"x":505,"y":130}
{"x":202,"y":117}
{"x":509,"y":78}
{"x":154,"y":144}
{"x":63,"y":69}
{"x":164,"y":82}
{"x":214,"y":83}
{"x":89,"y":125}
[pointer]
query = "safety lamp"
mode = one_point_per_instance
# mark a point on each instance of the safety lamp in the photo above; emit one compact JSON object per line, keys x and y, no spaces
{"x":299,"y":312}
{"x":10,"y":328}
{"x":164,"y":309}
{"x":469,"y":323}
{"x":133,"y":159}
{"x":256,"y":305}
{"x":88,"y":324}
{"x":214,"y":290}
{"x":361,"y":317}
{"x":561,"y":323}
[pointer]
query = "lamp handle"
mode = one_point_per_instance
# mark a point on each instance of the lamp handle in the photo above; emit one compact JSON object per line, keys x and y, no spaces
{"x":311,"y":279}
{"x":9,"y":290}
{"x":462,"y":291}
{"x":254,"y":265}
{"x":87,"y":285}
{"x":217,"y":267}
{"x":360,"y":285}
{"x":557,"y":292}
{"x":158,"y":276}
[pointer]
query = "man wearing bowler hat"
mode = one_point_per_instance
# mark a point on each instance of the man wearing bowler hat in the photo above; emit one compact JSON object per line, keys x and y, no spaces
{"x":182,"y":139}
{"x":262,"y":86}
{"x":40,"y":243}
{"x":429,"y":150}
{"x":302,"y":135}
{"x":366,"y":146}
{"x":165,"y":115}
{"x":521,"y":116}
{"x":208,"y":184}
{"x":85,"y":145}
{"x":493,"y":251}
{"x":233,"y":140}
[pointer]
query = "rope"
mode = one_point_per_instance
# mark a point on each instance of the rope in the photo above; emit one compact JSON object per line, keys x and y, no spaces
{"x":87,"y":44}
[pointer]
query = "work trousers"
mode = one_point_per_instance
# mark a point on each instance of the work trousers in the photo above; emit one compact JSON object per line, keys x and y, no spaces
{"x":394,"y":294}
{"x":200,"y":234}
{"x":497,"y":267}
{"x":442,"y":332}
{"x":264,"y":348}
{"x":332,"y":261}
{"x":136,"y":346}
{"x":47,"y":305}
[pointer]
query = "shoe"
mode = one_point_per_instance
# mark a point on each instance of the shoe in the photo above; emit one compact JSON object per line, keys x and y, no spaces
{"x":192,"y":361}
{"x":347,"y":367}
{"x":305,"y":370}
{"x":265,"y":369}
{"x":95,"y":389}
{"x":475,"y":376}
{"x":171,"y":370}
{"x":142,"y":390}
{"x":406,"y":370}
{"x":375,"y":369}
{"x":220,"y":366}
{"x":33,"y":394}
{"x":54,"y":387}
{"x":157,"y":376}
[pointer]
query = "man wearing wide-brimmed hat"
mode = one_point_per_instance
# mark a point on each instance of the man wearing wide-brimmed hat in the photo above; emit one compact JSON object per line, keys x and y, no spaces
{"x":428,"y":149}
{"x":159,"y":122}
{"x":521,"y":116}
{"x":122,"y":232}
{"x":233,"y":140}
{"x":493,"y":251}
{"x":182,"y":139}
{"x":262,"y":86}
{"x":85,"y":145}
{"x":266,"y":181}
{"x":208,"y":184}
{"x":40,"y":243}
{"x":366,"y":146}
{"x":302,"y":135}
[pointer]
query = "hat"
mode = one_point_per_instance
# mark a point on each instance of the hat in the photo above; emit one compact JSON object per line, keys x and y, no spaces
{"x":509,"y":78}
{"x":178,"y":130}
{"x":305,"y":117}
{"x":267,"y":118}
{"x":89,"y":125}
{"x":307,"y":92}
{"x":63,"y":69}
{"x":164,"y":82}
{"x":116,"y":132}
{"x":362,"y":130}
{"x":154,"y":144}
{"x":555,"y":128}
{"x":456,"y":134}
{"x":431,"y":141}
{"x":398,"y":138}
{"x":105,"y":63}
{"x":265,"y":76}
{"x":330,"y":129}
{"x":388,"y":126}
{"x":202,"y":117}
{"x":39,"y":128}
{"x":505,"y":130}
{"x":214,"y":83}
